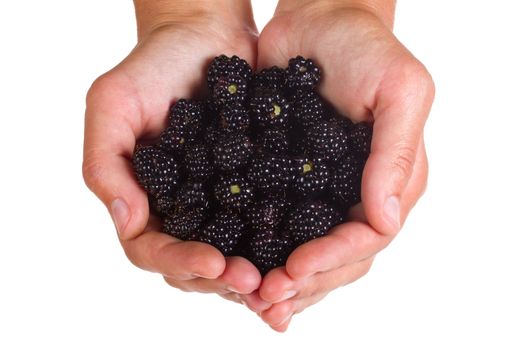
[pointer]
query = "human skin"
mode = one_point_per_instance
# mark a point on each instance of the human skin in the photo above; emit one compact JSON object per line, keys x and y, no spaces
{"x":371,"y":76}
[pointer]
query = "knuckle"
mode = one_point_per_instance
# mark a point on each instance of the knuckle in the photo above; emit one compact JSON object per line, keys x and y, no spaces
{"x":417,"y":79}
{"x":403,"y":160}
{"x":92,"y":170}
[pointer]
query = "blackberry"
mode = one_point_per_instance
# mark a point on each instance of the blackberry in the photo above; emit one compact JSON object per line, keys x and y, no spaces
{"x":198,"y":163}
{"x":360,"y":139}
{"x":311,"y":220}
{"x":230,"y":89}
{"x":270,"y":109}
{"x":309,"y":109}
{"x":346,"y":182}
{"x":270,"y":78}
{"x":223,"y":66}
{"x":184,"y":224}
{"x":327,"y":140}
{"x":234,"y":191}
{"x":176,"y":138}
{"x":302,"y":74}
{"x":269,"y":173}
{"x":309,"y":176}
{"x":224,"y":232}
{"x":212,"y":135}
{"x":234,"y":118}
{"x":269,"y":250}
{"x":163,"y":204}
{"x":274,"y":142}
{"x":232,"y":151}
{"x":267,"y":213}
{"x":192,"y":195}
{"x":156,"y":171}
{"x":187,"y":114}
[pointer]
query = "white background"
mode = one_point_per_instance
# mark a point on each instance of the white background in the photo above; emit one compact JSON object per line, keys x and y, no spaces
{"x":445,"y":282}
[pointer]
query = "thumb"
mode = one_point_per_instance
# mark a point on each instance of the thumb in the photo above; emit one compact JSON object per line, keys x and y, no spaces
{"x":403,"y":101}
{"x":108,"y":144}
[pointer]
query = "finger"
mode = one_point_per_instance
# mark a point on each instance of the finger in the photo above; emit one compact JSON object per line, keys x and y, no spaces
{"x":111,"y":130}
{"x":402,"y":104}
{"x":179,"y":260}
{"x":232,"y":297}
{"x":278,"y":285}
{"x":254,"y":302}
{"x":278,"y":314}
{"x":239,"y":276}
{"x":343,"y":245}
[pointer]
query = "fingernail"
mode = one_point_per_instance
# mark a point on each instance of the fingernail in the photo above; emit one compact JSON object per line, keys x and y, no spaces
{"x":120,"y":215}
{"x":287,"y":295}
{"x":286,"y":319}
{"x":392,"y":211}
{"x":232,"y":289}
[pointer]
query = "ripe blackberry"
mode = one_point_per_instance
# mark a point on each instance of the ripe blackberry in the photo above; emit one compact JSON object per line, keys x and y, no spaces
{"x":269,"y":250}
{"x":163,"y":204}
{"x":274,"y":142}
{"x":192,"y":195}
{"x":234,"y":191}
{"x":198,"y":163}
{"x":346,"y":182}
{"x":302,"y":74}
{"x":223,"y":66}
{"x":176,"y":138}
{"x":230,"y":89}
{"x":267,"y":213}
{"x":187,"y":114}
{"x":309,"y":109}
{"x":360,"y":139}
{"x":156,"y":171}
{"x":269,"y":173}
{"x":224,"y":232}
{"x":309,"y":176}
{"x":270,"y":109}
{"x":232,"y":151}
{"x":212,"y":135}
{"x":327,"y":140}
{"x":184,"y":224}
{"x":234,"y":118}
{"x":311,"y":220}
{"x":273,"y":78}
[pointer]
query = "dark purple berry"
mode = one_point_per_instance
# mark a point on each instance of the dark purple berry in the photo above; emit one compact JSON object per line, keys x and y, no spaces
{"x":345,"y":187}
{"x":311,"y":220}
{"x":184,"y":224}
{"x":269,"y":173}
{"x":270,"y":109}
{"x":309,"y":176}
{"x":232,"y":151}
{"x":302,"y":74}
{"x":327,"y":140}
{"x":269,"y":250}
{"x":234,"y":118}
{"x":223,"y":66}
{"x":267,"y":213}
{"x":198,"y":162}
{"x":224,"y":232}
{"x":156,"y":171}
{"x":274,"y":142}
{"x":360,"y":139}
{"x":273,"y":78}
{"x":233,"y":191}
{"x":230,"y":89}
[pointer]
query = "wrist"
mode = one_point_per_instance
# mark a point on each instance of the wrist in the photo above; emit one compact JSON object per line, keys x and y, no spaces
{"x":152,"y":15}
{"x":382,"y":9}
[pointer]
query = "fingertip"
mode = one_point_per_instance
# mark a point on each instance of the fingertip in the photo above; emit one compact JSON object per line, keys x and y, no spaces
{"x":301,"y":263}
{"x":203,"y":260}
{"x":241,"y":275}
{"x":275,"y":284}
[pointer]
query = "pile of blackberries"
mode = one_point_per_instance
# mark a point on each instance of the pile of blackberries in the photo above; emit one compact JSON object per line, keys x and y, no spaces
{"x":261,"y":166}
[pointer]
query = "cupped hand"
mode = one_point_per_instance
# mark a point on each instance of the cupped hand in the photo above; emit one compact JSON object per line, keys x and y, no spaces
{"x":369,"y":76}
{"x":131,"y":102}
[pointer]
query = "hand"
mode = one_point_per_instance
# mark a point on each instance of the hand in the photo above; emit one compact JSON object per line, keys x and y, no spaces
{"x":131,"y":102}
{"x":368,"y":75}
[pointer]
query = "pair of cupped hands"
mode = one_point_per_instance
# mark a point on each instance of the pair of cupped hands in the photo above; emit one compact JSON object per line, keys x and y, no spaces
{"x":368,"y":75}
